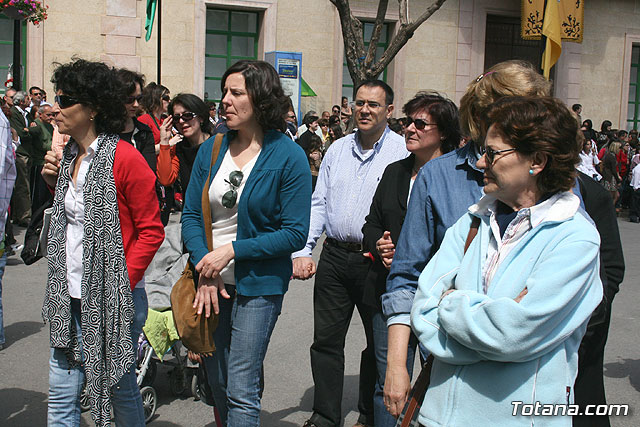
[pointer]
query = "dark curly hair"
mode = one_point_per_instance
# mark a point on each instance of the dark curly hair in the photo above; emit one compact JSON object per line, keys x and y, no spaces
{"x":269,"y":102}
{"x":443,"y":111}
{"x":541,"y":125}
{"x":193,"y":103}
{"x":96,"y":86}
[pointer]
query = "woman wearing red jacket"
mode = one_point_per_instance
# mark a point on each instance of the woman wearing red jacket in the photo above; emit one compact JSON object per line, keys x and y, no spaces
{"x":105,"y":229}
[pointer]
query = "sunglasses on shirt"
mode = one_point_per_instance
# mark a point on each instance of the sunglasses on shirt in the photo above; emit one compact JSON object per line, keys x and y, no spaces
{"x":66,"y":101}
{"x":186,"y":116}
{"x":230,"y":197}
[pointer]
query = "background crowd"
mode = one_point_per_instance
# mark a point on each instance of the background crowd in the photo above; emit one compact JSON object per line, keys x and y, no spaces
{"x":510,"y":163}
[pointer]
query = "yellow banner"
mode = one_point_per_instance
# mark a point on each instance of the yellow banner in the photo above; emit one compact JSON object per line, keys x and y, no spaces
{"x":571,"y":12}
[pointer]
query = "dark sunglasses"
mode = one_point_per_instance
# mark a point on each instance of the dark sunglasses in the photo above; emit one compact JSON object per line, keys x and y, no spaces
{"x":418,"y":123}
{"x":66,"y":101}
{"x":230,"y":197}
{"x":36,"y":94}
{"x":491,"y":154}
{"x":166,"y":98}
{"x":186,"y":116}
{"x":132,"y":99}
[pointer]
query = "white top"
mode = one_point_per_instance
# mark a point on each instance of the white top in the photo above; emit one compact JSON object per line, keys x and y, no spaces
{"x":225,"y":225}
{"x":635,"y":178}
{"x":587,"y":165}
{"x":74,"y":210}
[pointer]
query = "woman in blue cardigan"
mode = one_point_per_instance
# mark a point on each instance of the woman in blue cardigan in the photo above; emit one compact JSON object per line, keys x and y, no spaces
{"x":260,"y":197}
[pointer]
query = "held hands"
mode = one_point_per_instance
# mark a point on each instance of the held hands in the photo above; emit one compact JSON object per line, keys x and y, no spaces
{"x":303,"y":268}
{"x":397,"y":386}
{"x":386,"y":249}
{"x":207,"y":295}
{"x":51,"y":168}
{"x":212,"y":263}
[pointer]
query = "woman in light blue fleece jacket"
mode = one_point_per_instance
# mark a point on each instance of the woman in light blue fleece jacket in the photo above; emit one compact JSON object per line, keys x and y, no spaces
{"x":504,"y":319}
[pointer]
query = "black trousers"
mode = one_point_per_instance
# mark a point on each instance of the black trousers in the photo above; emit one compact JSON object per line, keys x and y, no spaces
{"x":589,"y":386}
{"x":634,"y":212}
{"x":339,"y":283}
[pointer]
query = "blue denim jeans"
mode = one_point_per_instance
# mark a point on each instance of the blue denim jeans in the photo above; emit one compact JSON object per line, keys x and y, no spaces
{"x":244,"y":329}
{"x":382,"y":417}
{"x":65,"y":383}
{"x":3,"y":263}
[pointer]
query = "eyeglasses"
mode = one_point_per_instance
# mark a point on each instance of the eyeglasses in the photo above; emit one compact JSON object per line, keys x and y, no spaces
{"x":186,"y":116}
{"x":418,"y":123}
{"x":491,"y":154}
{"x":65,"y":101}
{"x":372,"y":104}
{"x":230,"y":197}
{"x":132,"y":99}
{"x":166,"y":98}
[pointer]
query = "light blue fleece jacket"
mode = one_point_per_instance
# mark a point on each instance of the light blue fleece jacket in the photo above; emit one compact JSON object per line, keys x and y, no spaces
{"x":490,"y":350}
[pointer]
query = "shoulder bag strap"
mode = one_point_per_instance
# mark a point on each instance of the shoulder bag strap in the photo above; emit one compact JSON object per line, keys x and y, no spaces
{"x":206,"y":205}
{"x":473,"y":230}
{"x":419,"y":390}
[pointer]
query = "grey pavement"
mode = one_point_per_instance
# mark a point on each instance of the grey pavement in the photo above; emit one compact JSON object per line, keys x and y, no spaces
{"x":288,"y":394}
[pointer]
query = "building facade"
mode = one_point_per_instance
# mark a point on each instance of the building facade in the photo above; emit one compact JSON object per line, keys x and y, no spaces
{"x":201,"y":38}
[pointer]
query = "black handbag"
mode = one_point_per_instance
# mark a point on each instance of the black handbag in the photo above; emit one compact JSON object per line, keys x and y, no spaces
{"x":35,"y":237}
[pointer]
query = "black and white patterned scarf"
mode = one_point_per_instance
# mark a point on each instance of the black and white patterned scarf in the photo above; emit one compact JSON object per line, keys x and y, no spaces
{"x":107,"y":305}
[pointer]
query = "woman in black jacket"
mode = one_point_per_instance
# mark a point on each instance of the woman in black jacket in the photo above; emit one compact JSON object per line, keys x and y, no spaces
{"x":432,"y":130}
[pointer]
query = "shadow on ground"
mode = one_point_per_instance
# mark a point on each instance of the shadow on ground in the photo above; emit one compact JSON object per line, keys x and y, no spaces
{"x":625,"y":368}
{"x":20,"y":407}
{"x":20,"y":330}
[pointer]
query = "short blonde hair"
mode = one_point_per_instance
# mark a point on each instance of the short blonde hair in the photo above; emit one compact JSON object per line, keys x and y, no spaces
{"x":508,"y":78}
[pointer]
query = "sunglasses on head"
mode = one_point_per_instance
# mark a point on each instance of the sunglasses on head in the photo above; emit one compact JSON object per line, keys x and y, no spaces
{"x":132,"y":99}
{"x":166,"y":98}
{"x":418,"y":123}
{"x":66,"y":101}
{"x":186,"y":116}
{"x":230,"y":197}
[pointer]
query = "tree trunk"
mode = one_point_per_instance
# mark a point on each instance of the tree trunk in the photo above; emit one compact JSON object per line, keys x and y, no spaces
{"x":362,"y":64}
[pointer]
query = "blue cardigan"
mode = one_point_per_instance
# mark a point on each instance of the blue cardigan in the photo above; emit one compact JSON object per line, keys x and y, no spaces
{"x":273,"y":213}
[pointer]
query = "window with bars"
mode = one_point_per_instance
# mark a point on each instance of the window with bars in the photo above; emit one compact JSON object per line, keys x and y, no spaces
{"x":633,"y":110}
{"x":383,"y":42}
{"x":6,"y":49}
{"x":231,"y":35}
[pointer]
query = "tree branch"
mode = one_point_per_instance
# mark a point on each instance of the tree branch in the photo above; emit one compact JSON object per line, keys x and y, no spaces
{"x":400,"y":38}
{"x":426,"y":15}
{"x":353,"y":41}
{"x":375,"y":36}
{"x":403,"y":15}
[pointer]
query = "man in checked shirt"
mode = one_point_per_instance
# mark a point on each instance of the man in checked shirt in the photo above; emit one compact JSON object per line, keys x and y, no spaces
{"x":347,"y":181}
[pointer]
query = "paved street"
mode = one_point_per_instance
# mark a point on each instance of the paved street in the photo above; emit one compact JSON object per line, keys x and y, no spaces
{"x":288,"y":394}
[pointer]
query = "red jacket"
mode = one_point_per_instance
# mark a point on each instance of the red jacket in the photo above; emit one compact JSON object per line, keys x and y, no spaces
{"x":142,"y":230}
{"x":623,"y":163}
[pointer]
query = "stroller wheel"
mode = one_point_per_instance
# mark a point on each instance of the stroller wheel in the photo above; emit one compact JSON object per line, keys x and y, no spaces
{"x":149,"y":402}
{"x":84,"y":398}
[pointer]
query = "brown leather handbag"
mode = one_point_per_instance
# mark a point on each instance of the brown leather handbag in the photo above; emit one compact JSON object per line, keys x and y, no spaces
{"x":196,"y":330}
{"x":409,"y":415}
